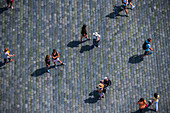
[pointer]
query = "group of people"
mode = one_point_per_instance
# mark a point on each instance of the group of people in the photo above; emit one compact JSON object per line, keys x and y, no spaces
{"x":96,"y":36}
{"x":102,"y":86}
{"x":143,"y":104}
{"x":55,"y":57}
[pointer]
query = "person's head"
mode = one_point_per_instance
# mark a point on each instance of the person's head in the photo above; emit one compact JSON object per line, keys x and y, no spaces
{"x":84,"y":26}
{"x":105,"y":79}
{"x":149,"y":39}
{"x":54,"y":51}
{"x":47,"y":57}
{"x":141,"y":100}
{"x":155,"y":95}
{"x":5,"y":50}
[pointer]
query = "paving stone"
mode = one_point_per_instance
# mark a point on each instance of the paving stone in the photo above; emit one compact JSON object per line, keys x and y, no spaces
{"x":33,"y":28}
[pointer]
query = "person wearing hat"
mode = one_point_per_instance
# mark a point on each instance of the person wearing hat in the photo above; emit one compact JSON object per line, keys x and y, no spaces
{"x":96,"y":39}
{"x":100,"y":90}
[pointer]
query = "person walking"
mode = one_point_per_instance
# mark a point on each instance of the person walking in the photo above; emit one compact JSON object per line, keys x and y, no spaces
{"x":125,"y":3}
{"x":155,"y":101}
{"x":11,"y":2}
{"x":142,"y":104}
{"x":47,"y":62}
{"x":84,"y":32}
{"x":55,"y":57}
{"x":147,"y":47}
{"x":6,"y":55}
{"x":96,"y":39}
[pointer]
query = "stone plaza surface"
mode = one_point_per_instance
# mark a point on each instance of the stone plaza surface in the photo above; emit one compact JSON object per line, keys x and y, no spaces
{"x":35,"y":27}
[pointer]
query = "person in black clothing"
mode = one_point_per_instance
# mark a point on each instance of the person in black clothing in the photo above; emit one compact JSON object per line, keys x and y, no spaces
{"x":96,"y":39}
{"x":55,"y":57}
{"x":106,"y":82}
{"x":47,"y":62}
{"x":84,"y":33}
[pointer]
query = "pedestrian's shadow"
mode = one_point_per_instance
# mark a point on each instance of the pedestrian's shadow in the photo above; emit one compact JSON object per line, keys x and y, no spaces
{"x":93,"y":97}
{"x":41,"y":71}
{"x":115,"y":14}
{"x":73,"y":44}
{"x":2,"y":65}
{"x":144,"y":110}
{"x":86,"y":48}
{"x":135,"y":59}
{"x":3,"y":9}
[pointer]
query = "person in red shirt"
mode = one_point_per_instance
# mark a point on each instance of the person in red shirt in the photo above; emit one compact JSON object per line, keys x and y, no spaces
{"x":142,"y":104}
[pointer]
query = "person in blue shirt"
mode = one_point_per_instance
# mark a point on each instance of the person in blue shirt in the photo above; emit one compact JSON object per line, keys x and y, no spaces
{"x":147,"y":48}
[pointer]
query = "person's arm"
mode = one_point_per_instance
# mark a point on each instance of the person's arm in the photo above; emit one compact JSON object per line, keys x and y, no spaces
{"x":137,"y":102}
{"x":144,"y":101}
{"x":11,"y":55}
{"x":57,"y":55}
{"x":151,"y":49}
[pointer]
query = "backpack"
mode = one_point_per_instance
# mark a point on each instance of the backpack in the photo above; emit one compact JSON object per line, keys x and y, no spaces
{"x":144,"y":45}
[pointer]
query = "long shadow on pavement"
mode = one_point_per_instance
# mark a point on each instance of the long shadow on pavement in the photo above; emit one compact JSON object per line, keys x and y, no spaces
{"x":93,"y":97}
{"x":2,"y":65}
{"x":86,"y":48}
{"x":135,"y":59}
{"x":115,"y":14}
{"x":73,"y":44}
{"x":41,"y":71}
{"x":3,"y":9}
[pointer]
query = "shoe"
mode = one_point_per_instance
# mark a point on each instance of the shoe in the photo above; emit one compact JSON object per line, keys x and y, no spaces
{"x":11,"y":60}
{"x":11,"y":7}
{"x":149,"y":53}
{"x":63,"y":63}
{"x":48,"y":71}
{"x":142,"y":58}
{"x":132,"y":7}
{"x":127,"y":15}
{"x":55,"y":66}
{"x":98,"y":46}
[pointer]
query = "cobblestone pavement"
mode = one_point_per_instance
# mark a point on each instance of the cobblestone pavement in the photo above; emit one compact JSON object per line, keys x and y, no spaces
{"x":34,"y":27}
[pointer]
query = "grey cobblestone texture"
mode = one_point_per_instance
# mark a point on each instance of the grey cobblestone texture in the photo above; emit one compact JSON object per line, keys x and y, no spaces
{"x":35,"y":27}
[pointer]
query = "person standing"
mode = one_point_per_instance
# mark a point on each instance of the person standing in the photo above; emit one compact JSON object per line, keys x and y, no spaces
{"x":155,"y":101}
{"x":47,"y":62}
{"x":55,"y":57}
{"x":142,"y":104}
{"x":96,"y":39}
{"x":147,"y":47}
{"x":11,"y":2}
{"x":100,"y":90}
{"x":125,"y":3}
{"x":6,"y":56}
{"x":84,"y":33}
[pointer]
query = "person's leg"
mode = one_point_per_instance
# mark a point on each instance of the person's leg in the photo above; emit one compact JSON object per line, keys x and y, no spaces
{"x":60,"y":61}
{"x":11,"y":3}
{"x":5,"y":61}
{"x":156,"y":106}
{"x":7,"y":3}
{"x":141,"y":110}
{"x":146,"y":52}
{"x":86,"y":37}
{"x":81,"y":38}
{"x":10,"y":60}
{"x":47,"y":68}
